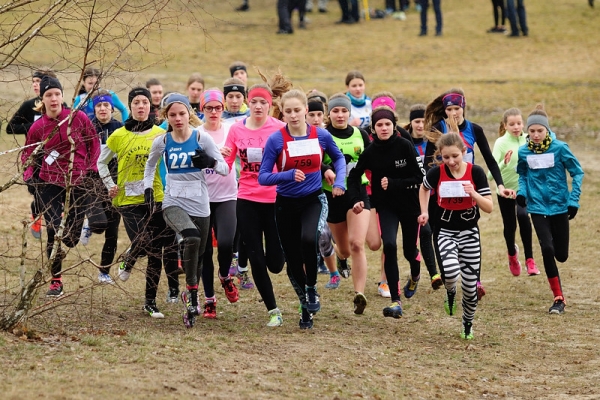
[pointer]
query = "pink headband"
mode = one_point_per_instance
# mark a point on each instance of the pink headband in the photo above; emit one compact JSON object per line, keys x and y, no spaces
{"x":454,"y":99}
{"x":211,"y":95}
{"x":260,"y":92}
{"x":384,"y":101}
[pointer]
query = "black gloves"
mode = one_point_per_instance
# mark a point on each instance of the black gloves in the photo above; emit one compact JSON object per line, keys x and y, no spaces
{"x":522,"y":201}
{"x":202,"y":160}
{"x":572,"y":212}
{"x":149,"y":199}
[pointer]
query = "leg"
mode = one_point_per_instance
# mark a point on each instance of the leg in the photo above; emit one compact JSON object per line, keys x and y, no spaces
{"x":389,"y":232}
{"x":284,"y":17}
{"x":358,"y":224}
{"x":437,"y":8}
{"x":525,"y":231}
{"x":470,"y":261}
{"x":522,"y":17}
{"x":543,"y":229}
{"x":426,"y":244}
{"x":509,"y":219}
{"x":424,"y":7}
{"x":512,"y":17}
{"x":111,"y":236}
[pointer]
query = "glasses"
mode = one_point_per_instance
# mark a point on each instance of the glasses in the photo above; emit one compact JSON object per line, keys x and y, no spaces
{"x":210,"y":109}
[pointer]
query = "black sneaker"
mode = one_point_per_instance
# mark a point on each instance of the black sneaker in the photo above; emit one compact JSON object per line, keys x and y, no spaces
{"x":312,"y":299}
{"x":306,"y":319}
{"x":243,"y":7}
{"x":558,"y":307}
{"x":343,"y":267}
{"x":56,"y":289}
{"x":394,"y":310}
{"x":151,"y":308}
{"x":173,"y":295}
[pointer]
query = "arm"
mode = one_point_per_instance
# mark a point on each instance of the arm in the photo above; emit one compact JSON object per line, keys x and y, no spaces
{"x":574,"y":167}
{"x":429,"y":182}
{"x":522,"y":170}
{"x":156,"y":151}
{"x":499,"y":156}
{"x":106,"y":155}
{"x":212,"y":150}
{"x":416,"y":173}
{"x":338,"y":159}
{"x":266,"y":176}
{"x":19,"y":124}
{"x":120,"y":106}
{"x":480,"y":190}
{"x":484,"y":148}
{"x":230,"y":147}
{"x":355,"y":181}
{"x":91,"y":141}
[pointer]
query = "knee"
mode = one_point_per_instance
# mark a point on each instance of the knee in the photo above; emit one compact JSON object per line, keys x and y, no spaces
{"x":357,"y":246}
{"x":562,"y":257}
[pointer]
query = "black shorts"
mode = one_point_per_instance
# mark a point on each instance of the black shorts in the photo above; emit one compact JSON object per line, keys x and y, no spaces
{"x":339,"y":206}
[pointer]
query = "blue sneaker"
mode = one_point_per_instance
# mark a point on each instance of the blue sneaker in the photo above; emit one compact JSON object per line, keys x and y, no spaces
{"x":334,"y":282}
{"x":394,"y":310}
{"x":306,"y":319}
{"x":312,"y":299}
{"x":411,"y":287}
{"x":321,"y":268}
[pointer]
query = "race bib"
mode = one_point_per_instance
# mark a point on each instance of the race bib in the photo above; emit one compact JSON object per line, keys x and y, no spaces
{"x":134,"y":188}
{"x":308,"y":147}
{"x":185,"y":189}
{"x":52,"y":157}
{"x":349,"y":167}
{"x":254,"y":154}
{"x":453,"y":189}
{"x":540,"y":161}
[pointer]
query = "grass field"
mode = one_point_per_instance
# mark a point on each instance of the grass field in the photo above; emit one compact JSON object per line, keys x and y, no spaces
{"x":97,"y":343}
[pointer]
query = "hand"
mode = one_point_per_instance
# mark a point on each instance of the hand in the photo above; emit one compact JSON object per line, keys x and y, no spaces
{"x":354,"y":122}
{"x":521,"y":200}
{"x":113,"y":191}
{"x":358,"y":207}
{"x":299,"y":176}
{"x":469,"y":189}
{"x":572,"y":212}
{"x":507,"y":157}
{"x":384,"y":183}
{"x":225,"y":151}
{"x":149,"y":199}
{"x":507,"y":193}
{"x":329,"y":176}
{"x":423,"y":218}
{"x":201,"y":160}
{"x":337,"y":192}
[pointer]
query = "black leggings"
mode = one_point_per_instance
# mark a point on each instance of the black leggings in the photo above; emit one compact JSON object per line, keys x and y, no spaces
{"x":426,"y":245}
{"x":388,"y":221}
{"x":151,"y":237}
{"x":511,"y":213}
{"x":111,"y":236}
{"x":53,"y":198}
{"x":224,"y":221}
{"x":499,"y":5}
{"x":255,"y":220}
{"x":553,"y":234}
{"x":299,"y":223}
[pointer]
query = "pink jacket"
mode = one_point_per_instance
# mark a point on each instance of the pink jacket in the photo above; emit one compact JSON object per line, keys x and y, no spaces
{"x":55,"y":159}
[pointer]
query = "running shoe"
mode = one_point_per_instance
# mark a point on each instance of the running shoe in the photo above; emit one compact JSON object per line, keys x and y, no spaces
{"x":321,"y":268}
{"x":450,"y":303}
{"x":36,"y":227}
{"x":173,"y":295}
{"x":245,"y":280}
{"x":436,"y":281}
{"x":467,"y":331}
{"x":313,"y":304}
{"x":190,"y":313}
{"x":105,"y":279}
{"x":558,"y":307}
{"x":123,"y":272}
{"x":151,"y":308}
{"x":334,"y":282}
{"x":231,"y":291}
{"x":86,"y":233}
{"x":343,"y":267}
{"x":275,"y":318}
{"x":306,"y":319}
{"x":383,"y":289}
{"x":210,"y":310}
{"x":532,"y":269}
{"x":56,"y":288}
{"x":411,"y":287}
{"x":233,"y":267}
{"x":513,"y":263}
{"x":480,"y":291}
{"x":394,"y":310}
{"x":360,"y":303}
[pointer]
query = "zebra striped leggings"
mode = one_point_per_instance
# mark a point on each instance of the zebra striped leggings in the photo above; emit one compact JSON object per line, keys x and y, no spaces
{"x":459,"y":253}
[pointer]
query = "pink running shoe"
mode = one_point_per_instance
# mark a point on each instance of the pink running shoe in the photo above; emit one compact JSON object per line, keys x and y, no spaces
{"x":532,"y":269}
{"x":513,"y":263}
{"x":480,"y":291}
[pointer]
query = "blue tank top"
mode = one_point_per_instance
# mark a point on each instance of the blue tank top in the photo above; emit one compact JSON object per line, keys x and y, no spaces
{"x":178,"y":156}
{"x":468,"y":138}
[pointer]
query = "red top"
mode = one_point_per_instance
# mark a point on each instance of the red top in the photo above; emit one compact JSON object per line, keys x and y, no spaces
{"x":307,"y":163}
{"x":455,"y":203}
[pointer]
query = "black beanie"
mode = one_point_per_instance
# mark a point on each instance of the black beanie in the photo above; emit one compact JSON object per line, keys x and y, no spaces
{"x":138,"y":91}
{"x":47,"y":83}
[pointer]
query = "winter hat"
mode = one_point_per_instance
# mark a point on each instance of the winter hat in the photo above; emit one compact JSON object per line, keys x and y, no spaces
{"x":177,"y":98}
{"x":340,"y":102}
{"x":537,"y":119}
{"x":138,"y":91}
{"x":47,"y":83}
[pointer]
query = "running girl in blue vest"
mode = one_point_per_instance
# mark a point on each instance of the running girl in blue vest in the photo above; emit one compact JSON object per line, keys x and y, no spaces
{"x":296,"y":150}
{"x":462,"y":190}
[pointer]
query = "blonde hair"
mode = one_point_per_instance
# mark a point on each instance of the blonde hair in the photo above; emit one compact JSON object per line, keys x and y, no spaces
{"x":294,"y":94}
{"x":451,"y":138}
{"x":233,"y":81}
{"x":278,"y":85}
{"x":511,"y":112}
{"x":383,"y":94}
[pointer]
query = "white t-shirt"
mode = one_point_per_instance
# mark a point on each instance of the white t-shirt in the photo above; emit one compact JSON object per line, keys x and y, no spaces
{"x":220,"y":188}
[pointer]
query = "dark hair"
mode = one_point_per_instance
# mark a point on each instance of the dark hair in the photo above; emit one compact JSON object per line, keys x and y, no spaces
{"x":414,"y":107}
{"x":152,"y":82}
{"x":511,"y":112}
{"x":354,"y":75}
{"x":91,"y":71}
{"x":436,"y":111}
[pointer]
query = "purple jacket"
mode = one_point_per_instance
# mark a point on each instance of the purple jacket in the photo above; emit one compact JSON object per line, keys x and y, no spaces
{"x":55,"y":159}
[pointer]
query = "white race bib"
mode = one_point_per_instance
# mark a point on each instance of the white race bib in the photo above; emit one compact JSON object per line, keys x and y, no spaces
{"x":52,"y":157}
{"x":540,"y":161}
{"x":185,"y":189}
{"x":453,"y":189}
{"x":134,"y":188}
{"x":349,"y":167}
{"x":254,"y":154}
{"x":306,"y":147}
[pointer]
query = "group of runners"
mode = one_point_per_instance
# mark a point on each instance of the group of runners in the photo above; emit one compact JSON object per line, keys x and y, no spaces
{"x":306,"y":190}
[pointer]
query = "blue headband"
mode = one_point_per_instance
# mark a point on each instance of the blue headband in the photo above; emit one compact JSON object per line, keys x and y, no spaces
{"x":103,"y":98}
{"x":454,"y":99}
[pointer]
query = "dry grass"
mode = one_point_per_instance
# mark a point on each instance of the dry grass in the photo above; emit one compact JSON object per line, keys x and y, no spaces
{"x":100,"y":344}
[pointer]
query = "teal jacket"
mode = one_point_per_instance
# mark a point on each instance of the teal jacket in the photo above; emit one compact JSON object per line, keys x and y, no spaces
{"x":545,"y":185}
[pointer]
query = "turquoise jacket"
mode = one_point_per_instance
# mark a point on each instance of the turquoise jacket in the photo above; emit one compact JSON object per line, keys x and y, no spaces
{"x":545,"y":185}
{"x":88,"y":107}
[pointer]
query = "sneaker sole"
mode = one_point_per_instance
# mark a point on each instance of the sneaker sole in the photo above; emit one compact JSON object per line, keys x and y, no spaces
{"x":360,"y":303}
{"x":55,"y":295}
{"x":393,"y":314}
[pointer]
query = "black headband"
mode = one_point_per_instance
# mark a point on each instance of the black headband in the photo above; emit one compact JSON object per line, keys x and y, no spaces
{"x":315,"y":106}
{"x":416,"y":114}
{"x":237,"y":68}
{"x":234,"y":88}
{"x":381,"y":114}
{"x":139,"y":91}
